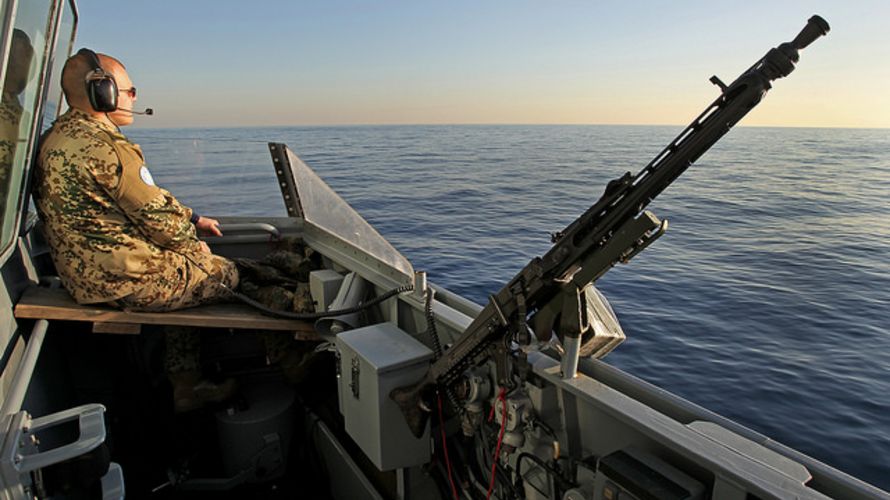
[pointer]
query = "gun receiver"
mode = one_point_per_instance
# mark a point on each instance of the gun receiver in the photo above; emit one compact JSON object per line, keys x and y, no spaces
{"x":613,"y":230}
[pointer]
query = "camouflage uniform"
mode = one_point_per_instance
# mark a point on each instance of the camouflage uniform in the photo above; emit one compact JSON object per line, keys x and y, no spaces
{"x":114,"y":236}
{"x":10,"y":117}
{"x":280,"y":281}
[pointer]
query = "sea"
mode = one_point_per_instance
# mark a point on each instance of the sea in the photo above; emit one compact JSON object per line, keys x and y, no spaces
{"x":767,"y":300}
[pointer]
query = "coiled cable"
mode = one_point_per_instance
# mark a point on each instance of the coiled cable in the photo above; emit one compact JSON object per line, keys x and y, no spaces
{"x":437,"y":344}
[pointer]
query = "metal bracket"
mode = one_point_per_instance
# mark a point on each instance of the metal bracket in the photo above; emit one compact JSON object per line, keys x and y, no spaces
{"x":502,"y":369}
{"x":522,"y":334}
{"x":630,"y":239}
{"x":497,"y":308}
{"x":572,"y":322}
{"x":285,"y":179}
{"x":645,"y":240}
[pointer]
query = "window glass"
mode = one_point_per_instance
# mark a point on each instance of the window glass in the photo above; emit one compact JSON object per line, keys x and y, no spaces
{"x":324,"y":209}
{"x":18,"y":105}
{"x":55,"y":103}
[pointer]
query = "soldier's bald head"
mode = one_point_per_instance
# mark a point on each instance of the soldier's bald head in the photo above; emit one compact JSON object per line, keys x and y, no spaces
{"x":74,"y":75}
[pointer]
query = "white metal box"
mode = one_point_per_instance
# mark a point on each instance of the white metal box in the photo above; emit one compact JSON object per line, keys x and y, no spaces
{"x":374,"y":360}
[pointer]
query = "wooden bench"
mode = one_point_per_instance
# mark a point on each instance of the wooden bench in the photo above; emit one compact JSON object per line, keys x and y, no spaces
{"x":57,"y":304}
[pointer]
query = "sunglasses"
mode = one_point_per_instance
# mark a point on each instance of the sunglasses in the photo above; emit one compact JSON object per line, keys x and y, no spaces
{"x":130,"y":92}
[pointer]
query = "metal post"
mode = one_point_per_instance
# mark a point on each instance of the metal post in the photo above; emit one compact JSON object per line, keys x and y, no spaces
{"x":12,"y":403}
{"x":569,"y":365}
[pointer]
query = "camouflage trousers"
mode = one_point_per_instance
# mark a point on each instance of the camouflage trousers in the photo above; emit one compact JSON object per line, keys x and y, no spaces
{"x":184,"y":348}
{"x":192,"y":281}
{"x":188,"y":285}
{"x":200,"y":279}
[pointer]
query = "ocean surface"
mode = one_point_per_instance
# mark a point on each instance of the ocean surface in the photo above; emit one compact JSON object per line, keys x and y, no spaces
{"x":767,"y":301}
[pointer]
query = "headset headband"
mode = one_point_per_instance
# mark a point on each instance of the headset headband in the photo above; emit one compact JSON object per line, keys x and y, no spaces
{"x":91,"y":57}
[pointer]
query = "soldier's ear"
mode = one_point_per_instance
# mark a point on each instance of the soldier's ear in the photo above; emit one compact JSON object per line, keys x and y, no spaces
{"x":101,"y":87}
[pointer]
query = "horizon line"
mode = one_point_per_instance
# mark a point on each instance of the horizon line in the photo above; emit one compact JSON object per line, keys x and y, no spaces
{"x":346,"y":125}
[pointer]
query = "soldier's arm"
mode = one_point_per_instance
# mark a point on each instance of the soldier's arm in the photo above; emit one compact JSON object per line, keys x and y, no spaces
{"x":157,"y":214}
{"x":167,"y":223}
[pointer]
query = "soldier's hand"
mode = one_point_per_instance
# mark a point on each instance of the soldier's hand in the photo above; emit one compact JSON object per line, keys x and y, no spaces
{"x":208,"y":226}
{"x":204,"y":247}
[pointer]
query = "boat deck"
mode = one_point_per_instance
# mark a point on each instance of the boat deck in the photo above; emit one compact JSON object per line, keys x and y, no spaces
{"x":57,"y":304}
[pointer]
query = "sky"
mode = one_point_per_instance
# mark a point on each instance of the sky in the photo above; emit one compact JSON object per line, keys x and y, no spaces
{"x":220,"y":63}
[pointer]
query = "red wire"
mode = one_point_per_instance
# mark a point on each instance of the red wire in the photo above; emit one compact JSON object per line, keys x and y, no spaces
{"x":502,"y":397}
{"x":445,"y":447}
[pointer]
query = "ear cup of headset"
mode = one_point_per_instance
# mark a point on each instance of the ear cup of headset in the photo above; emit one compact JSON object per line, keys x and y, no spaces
{"x":101,"y":87}
{"x":103,"y":94}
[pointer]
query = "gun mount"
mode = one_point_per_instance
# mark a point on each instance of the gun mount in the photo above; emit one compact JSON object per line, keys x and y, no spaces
{"x":549,"y":292}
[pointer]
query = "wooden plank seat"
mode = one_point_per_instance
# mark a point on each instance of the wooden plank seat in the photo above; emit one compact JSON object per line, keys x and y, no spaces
{"x":57,"y":304}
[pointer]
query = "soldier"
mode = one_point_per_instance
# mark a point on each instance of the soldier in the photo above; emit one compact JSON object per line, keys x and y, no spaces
{"x":115,"y":237}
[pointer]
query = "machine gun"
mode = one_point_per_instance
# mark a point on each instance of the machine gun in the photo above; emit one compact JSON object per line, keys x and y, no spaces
{"x":549,"y":293}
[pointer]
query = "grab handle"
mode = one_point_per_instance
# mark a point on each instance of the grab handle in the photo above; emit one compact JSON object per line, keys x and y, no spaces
{"x":92,"y":434}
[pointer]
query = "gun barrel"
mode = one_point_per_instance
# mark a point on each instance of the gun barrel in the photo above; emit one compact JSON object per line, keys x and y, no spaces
{"x":816,"y":27}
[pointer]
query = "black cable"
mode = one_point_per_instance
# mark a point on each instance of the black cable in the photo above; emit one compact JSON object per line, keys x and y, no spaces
{"x":467,"y":460}
{"x":437,"y":345}
{"x":540,"y":424}
{"x":318,"y":315}
{"x":546,"y":428}
{"x":503,"y":479}
{"x":431,"y":323}
{"x":292,"y":315}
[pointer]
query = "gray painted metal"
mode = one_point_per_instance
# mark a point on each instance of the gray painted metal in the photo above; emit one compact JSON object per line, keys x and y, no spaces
{"x":251,"y":227}
{"x":349,"y":481}
{"x":373,"y":361}
{"x":598,"y":420}
{"x":12,"y":403}
{"x":285,"y":180}
{"x":454,"y":313}
{"x":834,"y":482}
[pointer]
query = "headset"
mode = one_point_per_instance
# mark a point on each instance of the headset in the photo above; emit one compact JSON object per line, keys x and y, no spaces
{"x":100,"y":84}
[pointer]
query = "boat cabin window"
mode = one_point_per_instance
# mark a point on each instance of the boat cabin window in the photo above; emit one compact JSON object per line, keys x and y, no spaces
{"x":31,"y":38}
{"x":55,"y":102}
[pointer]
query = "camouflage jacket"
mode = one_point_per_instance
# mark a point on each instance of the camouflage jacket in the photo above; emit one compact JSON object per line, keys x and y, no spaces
{"x":108,"y":226}
{"x":10,"y":117}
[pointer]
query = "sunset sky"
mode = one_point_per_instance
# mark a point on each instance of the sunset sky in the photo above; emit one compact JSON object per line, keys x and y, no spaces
{"x":228,"y":64}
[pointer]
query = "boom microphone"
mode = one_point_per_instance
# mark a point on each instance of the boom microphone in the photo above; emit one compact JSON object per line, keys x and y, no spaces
{"x":148,"y":111}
